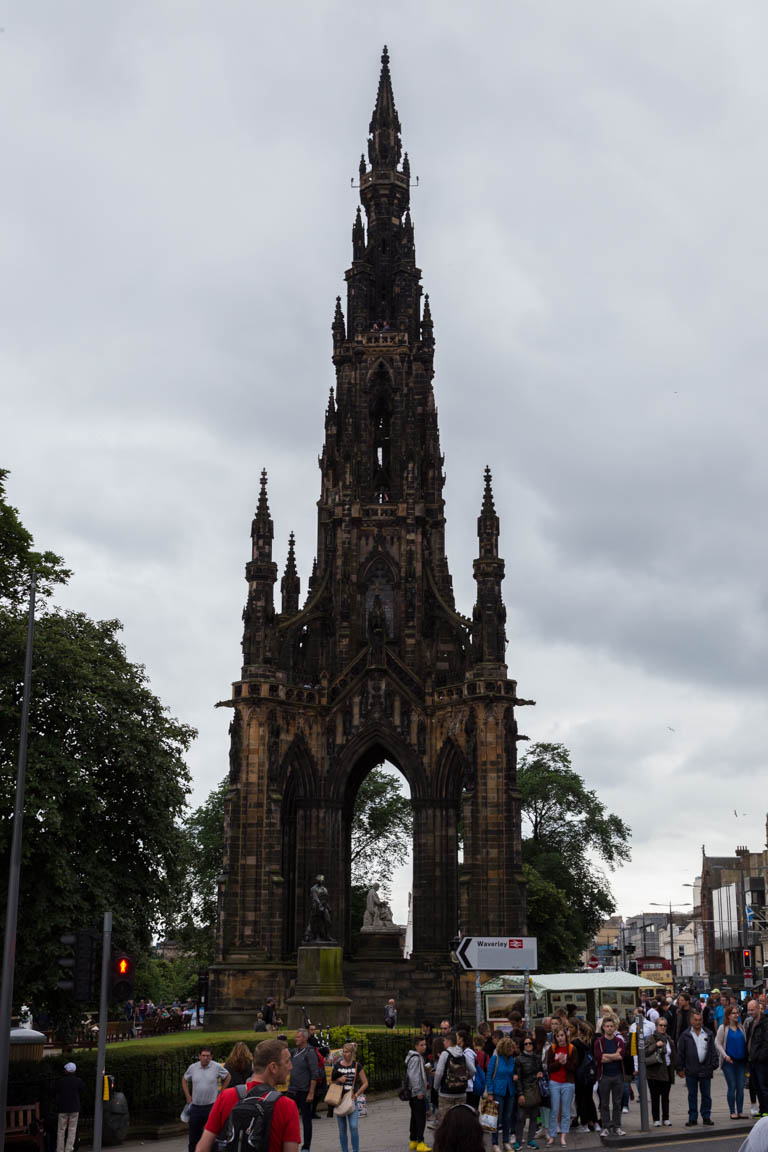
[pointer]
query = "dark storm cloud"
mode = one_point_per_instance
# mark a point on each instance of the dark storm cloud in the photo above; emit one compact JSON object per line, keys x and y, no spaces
{"x":175,"y":226}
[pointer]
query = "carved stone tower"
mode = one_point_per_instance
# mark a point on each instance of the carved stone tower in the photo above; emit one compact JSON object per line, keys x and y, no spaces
{"x":377,"y":664}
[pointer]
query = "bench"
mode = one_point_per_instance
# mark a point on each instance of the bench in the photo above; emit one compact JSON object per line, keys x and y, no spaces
{"x":23,"y":1125}
{"x":116,"y":1030}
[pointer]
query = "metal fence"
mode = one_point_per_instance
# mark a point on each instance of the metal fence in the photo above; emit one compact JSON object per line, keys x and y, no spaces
{"x":152,"y":1088}
{"x":152,"y":1085}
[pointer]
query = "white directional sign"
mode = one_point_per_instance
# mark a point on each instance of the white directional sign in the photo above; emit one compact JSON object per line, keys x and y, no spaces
{"x":497,"y":953}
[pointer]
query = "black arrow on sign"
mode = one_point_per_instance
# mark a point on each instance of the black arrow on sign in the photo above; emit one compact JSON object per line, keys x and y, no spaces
{"x":462,"y":952}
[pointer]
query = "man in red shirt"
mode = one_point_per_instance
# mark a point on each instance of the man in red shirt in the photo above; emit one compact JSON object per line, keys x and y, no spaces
{"x":271,"y":1066}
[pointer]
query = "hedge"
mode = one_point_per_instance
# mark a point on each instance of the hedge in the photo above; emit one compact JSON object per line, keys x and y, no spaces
{"x":149,"y":1071}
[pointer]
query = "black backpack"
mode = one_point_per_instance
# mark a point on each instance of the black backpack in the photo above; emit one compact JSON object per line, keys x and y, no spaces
{"x":250,"y":1121}
{"x":456,"y":1076}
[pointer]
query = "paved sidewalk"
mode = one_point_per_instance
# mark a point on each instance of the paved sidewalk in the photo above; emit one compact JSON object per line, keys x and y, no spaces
{"x":385,"y":1128}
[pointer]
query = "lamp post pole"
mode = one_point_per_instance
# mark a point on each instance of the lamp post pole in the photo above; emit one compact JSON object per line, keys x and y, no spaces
{"x":14,"y":870}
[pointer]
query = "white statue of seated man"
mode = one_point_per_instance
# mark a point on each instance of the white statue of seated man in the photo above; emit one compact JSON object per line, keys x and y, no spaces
{"x":377,"y":912}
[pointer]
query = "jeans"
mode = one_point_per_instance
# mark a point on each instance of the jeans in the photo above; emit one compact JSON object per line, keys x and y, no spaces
{"x":610,"y":1089}
{"x":694,"y":1084}
{"x":734,"y":1078}
{"x":305,"y":1111}
{"x":68,"y":1125}
{"x":342,"y":1122}
{"x":418,"y":1118}
{"x":760,"y":1073}
{"x":506,"y":1105}
{"x":561,"y":1100}
{"x":198,"y":1114}
{"x":530,"y":1113}
{"x":585,"y":1104}
{"x":659,"y":1090}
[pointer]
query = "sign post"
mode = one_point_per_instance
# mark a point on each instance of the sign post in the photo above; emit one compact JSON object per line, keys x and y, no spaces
{"x":497,"y":953}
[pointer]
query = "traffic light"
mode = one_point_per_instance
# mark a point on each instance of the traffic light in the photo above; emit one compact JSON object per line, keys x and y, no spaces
{"x":86,"y":964}
{"x":121,"y":976}
{"x":67,"y":962}
{"x":80,"y":964}
{"x":747,"y":955}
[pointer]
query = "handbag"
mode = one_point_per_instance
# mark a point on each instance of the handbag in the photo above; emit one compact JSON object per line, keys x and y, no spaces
{"x":334,"y":1093}
{"x":489,"y":1114}
{"x":544,"y":1092}
{"x":348,"y":1104}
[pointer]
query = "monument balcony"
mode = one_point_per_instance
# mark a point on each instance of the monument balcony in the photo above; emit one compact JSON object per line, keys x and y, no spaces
{"x":448,"y":693}
{"x":381,"y":339}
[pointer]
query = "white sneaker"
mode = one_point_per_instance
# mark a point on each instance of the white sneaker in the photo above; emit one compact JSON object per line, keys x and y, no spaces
{"x":754,"y":1110}
{"x":657,"y":1123}
{"x":625,"y":1109}
{"x":667,"y":1123}
{"x":620,"y":1132}
{"x":604,"y":1132}
{"x":583,"y":1128}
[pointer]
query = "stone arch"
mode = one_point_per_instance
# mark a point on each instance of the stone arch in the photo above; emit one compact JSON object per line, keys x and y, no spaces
{"x":370,"y":745}
{"x":435,"y":824}
{"x":451,"y":771}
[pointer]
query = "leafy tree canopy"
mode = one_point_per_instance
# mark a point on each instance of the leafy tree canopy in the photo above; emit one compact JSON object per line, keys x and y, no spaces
{"x":18,"y":559}
{"x":106,"y":781}
{"x":192,"y":927}
{"x":382,"y":829}
{"x":570,"y":835}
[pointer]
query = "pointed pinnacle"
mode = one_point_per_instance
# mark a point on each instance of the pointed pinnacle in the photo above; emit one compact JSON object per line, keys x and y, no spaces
{"x":290,"y":564}
{"x":384,"y":146}
{"x":427,"y":317}
{"x":262,"y":508}
{"x":331,"y":409}
{"x":488,"y":505}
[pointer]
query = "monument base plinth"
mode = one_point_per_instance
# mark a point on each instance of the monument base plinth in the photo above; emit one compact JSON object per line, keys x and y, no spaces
{"x":386,"y":945}
{"x":319,"y":990}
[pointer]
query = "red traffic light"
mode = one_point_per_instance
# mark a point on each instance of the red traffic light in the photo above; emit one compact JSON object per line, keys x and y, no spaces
{"x":747,"y":957}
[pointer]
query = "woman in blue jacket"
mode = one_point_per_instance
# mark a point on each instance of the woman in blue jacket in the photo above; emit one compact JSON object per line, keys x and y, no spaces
{"x":500,"y":1081}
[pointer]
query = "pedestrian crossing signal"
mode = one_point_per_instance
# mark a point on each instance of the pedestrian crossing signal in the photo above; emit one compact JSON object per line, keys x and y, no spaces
{"x":123,"y":969}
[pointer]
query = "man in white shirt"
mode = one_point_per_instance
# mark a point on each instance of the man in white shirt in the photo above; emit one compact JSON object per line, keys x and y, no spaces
{"x":201,"y":1084}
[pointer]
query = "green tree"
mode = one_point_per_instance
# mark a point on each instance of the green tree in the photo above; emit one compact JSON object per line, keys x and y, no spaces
{"x":106,"y":780}
{"x":382,"y":834}
{"x":570,"y":835}
{"x":193,"y":926}
{"x":382,"y":829}
{"x":18,"y":560}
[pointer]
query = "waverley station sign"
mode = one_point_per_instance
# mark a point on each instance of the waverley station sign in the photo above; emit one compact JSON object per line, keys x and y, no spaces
{"x":498,"y":953}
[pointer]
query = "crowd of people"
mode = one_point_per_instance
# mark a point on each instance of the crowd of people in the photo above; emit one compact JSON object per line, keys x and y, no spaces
{"x":527,"y":1086}
{"x":563,"y":1073}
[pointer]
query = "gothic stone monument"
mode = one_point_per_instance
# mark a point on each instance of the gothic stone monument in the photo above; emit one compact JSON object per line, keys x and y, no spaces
{"x":376,"y":664}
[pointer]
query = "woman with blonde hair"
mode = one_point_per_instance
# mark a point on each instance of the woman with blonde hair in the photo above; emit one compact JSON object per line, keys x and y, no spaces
{"x":238,"y":1064}
{"x":500,"y":1083}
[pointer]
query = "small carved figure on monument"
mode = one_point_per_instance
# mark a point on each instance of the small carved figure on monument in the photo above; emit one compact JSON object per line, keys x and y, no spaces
{"x":319,"y":926}
{"x":377,"y":629}
{"x":378,"y":913}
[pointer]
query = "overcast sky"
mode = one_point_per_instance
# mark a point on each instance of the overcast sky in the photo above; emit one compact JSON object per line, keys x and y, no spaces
{"x":590,"y":220}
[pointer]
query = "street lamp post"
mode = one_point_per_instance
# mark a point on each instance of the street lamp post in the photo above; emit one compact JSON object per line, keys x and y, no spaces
{"x":671,"y":936}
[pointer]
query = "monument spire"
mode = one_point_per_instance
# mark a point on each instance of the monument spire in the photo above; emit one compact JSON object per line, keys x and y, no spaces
{"x":384,"y":146}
